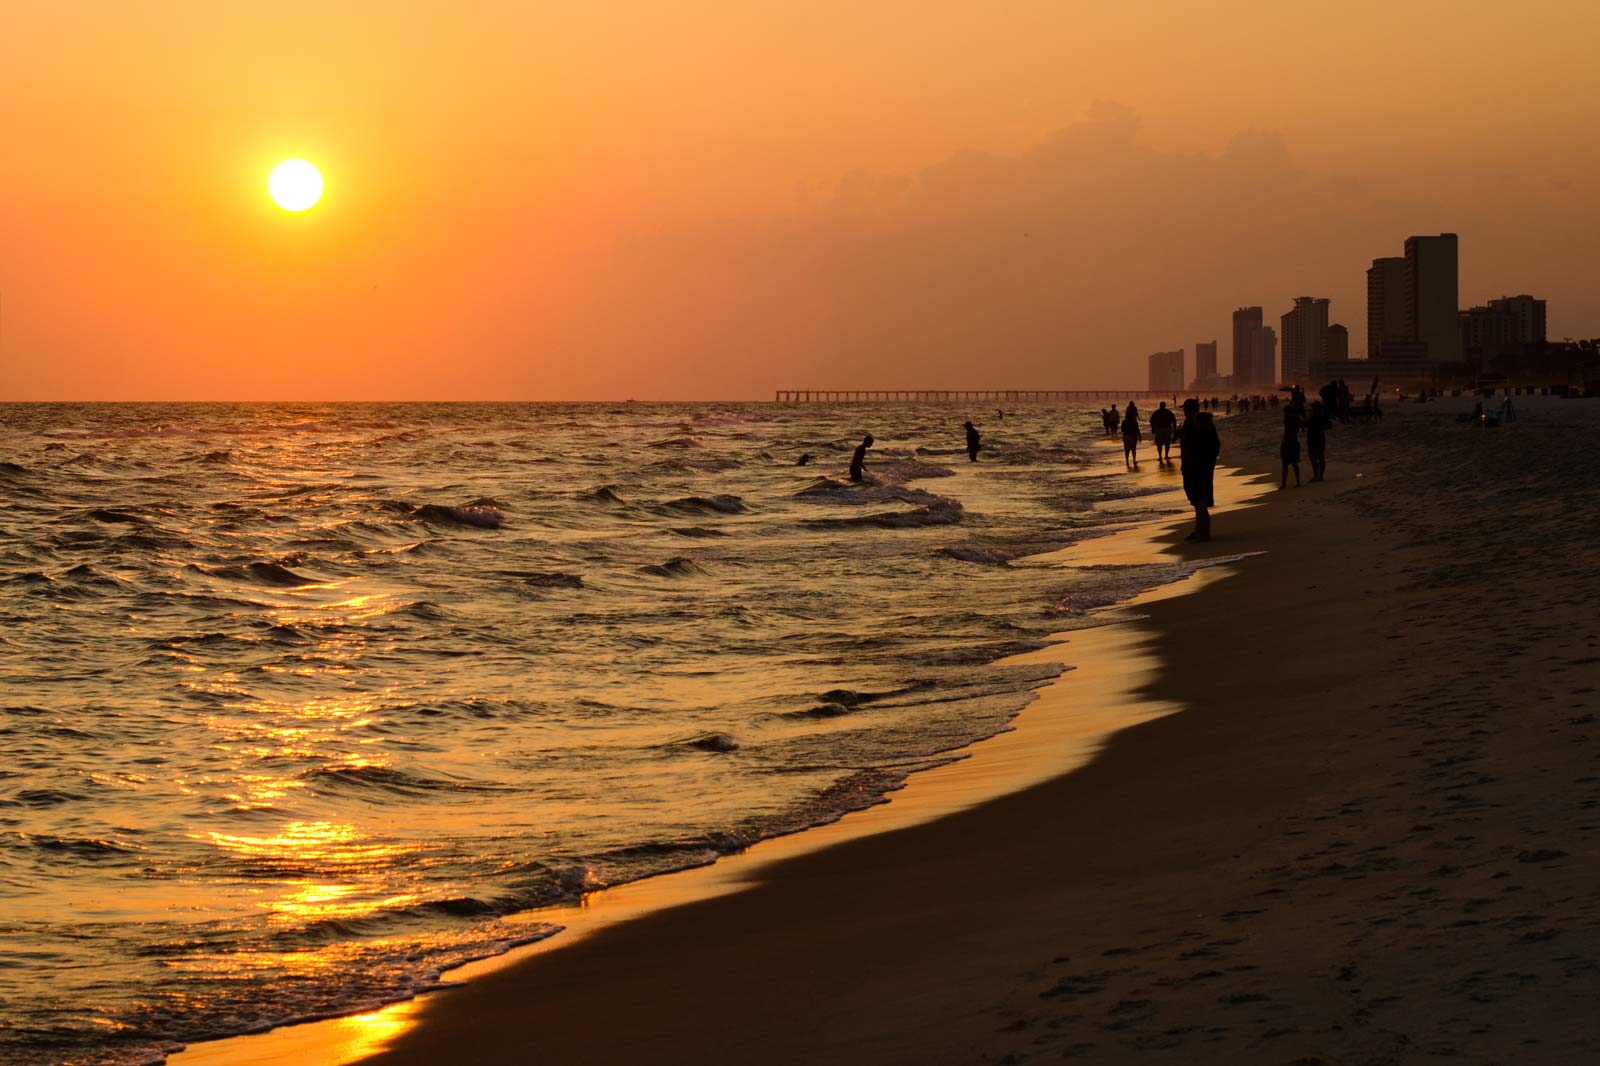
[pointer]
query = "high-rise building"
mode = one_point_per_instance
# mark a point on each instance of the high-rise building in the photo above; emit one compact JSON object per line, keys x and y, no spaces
{"x":1205,"y":360}
{"x":1246,"y":327}
{"x":1305,"y":337}
{"x":1525,"y":317}
{"x":1506,"y":325}
{"x":1337,"y":346}
{"x":1386,"y":302}
{"x":1432,"y":296}
{"x":1166,"y":372}
{"x":1264,"y":360}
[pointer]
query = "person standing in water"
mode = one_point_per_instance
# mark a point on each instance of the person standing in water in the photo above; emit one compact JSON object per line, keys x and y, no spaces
{"x":1162,"y":423}
{"x":1130,"y":438}
{"x":973,"y":438}
{"x":1317,"y":426}
{"x":1198,"y":448}
{"x":860,"y":457}
{"x":1289,"y":450}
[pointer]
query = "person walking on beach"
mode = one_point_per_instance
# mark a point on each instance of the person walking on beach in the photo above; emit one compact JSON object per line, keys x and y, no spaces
{"x":972,"y":443}
{"x":1131,"y":437}
{"x":1317,"y":426}
{"x":1289,"y":451}
{"x":860,"y":457}
{"x":1162,"y":423}
{"x":1198,"y":448}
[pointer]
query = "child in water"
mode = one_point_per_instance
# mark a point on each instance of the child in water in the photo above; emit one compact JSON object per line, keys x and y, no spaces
{"x":859,"y":457}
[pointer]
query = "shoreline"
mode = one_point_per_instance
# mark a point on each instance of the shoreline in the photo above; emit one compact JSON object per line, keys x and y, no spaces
{"x":1111,"y":662}
{"x":1369,"y":838}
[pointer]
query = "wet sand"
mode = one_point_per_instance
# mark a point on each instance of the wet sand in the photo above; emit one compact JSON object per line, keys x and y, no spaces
{"x":1367,"y":837}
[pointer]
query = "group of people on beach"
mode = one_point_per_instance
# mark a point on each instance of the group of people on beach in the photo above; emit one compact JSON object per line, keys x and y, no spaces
{"x":1198,"y":448}
{"x":1163,"y":427}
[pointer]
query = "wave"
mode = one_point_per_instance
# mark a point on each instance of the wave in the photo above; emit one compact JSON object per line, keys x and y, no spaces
{"x":719,"y":504}
{"x":720,"y":743}
{"x":823,"y":710}
{"x":547,"y":579}
{"x":92,"y":849}
{"x":702,"y":466}
{"x":730,"y":418}
{"x":136,"y":433}
{"x":275,"y":574}
{"x":677,"y":442}
{"x":696,"y":531}
{"x":44,"y":797}
{"x":479,"y":516}
{"x":988,"y":556}
{"x":388,"y":779}
{"x":677,"y":566}
{"x":422,"y":609}
{"x":606,"y":494}
{"x":899,"y":471}
{"x":104,"y":514}
{"x":917,"y":518}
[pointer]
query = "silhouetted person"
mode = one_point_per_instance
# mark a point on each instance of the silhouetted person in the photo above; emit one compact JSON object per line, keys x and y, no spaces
{"x":805,"y":458}
{"x":1289,"y":450}
{"x":1508,"y":413}
{"x":1131,"y":437}
{"x":859,"y":457}
{"x":999,"y":416}
{"x":972,"y":442}
{"x":1112,"y":421}
{"x":1162,"y":423}
{"x":1198,"y":448}
{"x":1317,"y":425}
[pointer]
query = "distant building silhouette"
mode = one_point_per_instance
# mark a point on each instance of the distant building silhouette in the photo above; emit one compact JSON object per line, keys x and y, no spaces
{"x":1166,"y":372}
{"x":1402,"y":363}
{"x":1255,"y":350}
{"x":1265,"y":358}
{"x":1205,"y":360}
{"x":1305,"y":337}
{"x":1432,"y":296}
{"x":1504,"y":326}
{"x":1386,"y":301}
{"x":1337,"y":345}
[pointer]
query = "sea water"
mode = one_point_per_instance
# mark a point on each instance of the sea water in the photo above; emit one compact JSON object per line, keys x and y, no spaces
{"x":299,"y":702}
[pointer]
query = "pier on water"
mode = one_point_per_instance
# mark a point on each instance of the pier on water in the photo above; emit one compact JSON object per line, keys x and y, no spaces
{"x":960,"y":395}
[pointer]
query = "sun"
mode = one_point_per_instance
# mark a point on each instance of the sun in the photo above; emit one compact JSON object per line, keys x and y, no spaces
{"x":295,"y":185}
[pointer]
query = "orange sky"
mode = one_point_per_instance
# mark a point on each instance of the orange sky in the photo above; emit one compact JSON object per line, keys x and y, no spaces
{"x":712,"y":200}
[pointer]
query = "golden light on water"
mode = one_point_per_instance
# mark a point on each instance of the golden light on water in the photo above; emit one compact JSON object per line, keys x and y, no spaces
{"x":340,"y":850}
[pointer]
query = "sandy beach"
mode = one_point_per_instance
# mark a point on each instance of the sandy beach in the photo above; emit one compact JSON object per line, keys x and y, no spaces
{"x":1367,"y":837}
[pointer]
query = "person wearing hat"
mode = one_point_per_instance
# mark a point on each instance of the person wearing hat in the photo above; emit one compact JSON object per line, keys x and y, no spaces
{"x":1198,"y":448}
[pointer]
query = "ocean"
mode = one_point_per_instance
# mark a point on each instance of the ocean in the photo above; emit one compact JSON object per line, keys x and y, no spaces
{"x":298,"y":702}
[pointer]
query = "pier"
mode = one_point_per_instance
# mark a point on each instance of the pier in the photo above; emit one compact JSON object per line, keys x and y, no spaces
{"x":959,"y":395}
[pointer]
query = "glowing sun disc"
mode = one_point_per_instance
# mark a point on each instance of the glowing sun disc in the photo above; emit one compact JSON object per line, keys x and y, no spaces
{"x":295,"y":185}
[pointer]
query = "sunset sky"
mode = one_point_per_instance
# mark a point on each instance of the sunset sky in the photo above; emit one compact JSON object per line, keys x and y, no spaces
{"x":686,"y":199}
